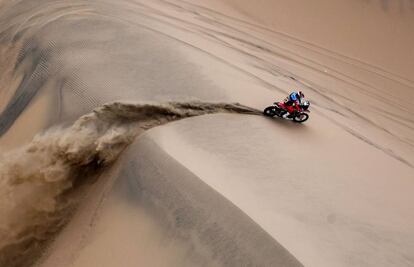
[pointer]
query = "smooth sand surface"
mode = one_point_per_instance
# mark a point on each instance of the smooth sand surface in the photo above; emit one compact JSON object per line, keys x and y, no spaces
{"x":215,"y":190}
{"x":349,"y":28}
{"x":312,"y":189}
{"x":153,"y":211}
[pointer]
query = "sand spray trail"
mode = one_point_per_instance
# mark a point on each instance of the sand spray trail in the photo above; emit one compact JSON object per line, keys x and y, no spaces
{"x":35,"y":179}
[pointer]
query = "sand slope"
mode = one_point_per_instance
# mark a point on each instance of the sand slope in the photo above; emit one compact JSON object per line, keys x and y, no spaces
{"x":177,"y":220}
{"x":225,"y":190}
{"x":337,"y":200}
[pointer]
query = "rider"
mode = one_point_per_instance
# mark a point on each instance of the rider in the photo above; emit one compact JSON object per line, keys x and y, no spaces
{"x":292,"y":102}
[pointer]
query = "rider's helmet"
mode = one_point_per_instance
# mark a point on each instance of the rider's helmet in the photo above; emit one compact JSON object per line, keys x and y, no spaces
{"x":294,"y":96}
{"x":297,"y":96}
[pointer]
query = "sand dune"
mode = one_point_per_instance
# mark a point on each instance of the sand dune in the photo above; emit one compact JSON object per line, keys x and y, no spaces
{"x":349,"y":28}
{"x":176,"y":220}
{"x":81,"y":184}
{"x":36,"y":177}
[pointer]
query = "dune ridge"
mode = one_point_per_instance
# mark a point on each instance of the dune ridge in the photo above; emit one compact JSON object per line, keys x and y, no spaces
{"x":346,"y":204}
{"x":35,"y":178}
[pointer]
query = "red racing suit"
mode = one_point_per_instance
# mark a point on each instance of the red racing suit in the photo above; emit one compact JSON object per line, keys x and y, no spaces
{"x":291,"y":105}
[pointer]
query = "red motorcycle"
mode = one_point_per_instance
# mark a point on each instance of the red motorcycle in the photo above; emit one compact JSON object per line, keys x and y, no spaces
{"x":298,"y":114}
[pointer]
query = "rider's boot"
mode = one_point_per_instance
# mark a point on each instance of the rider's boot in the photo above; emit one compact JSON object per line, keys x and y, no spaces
{"x":285,"y":116}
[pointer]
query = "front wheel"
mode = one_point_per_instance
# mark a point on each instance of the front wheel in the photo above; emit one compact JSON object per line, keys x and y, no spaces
{"x":269,"y":111}
{"x":301,"y":117}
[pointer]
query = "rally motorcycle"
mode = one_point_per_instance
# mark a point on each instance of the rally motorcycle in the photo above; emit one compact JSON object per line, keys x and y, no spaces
{"x":279,"y":109}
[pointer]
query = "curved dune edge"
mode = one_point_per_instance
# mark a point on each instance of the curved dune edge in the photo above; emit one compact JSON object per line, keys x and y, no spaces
{"x":83,"y":53}
{"x":207,"y":228}
{"x":36,"y":179}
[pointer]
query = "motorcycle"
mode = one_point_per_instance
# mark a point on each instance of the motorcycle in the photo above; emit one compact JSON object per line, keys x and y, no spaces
{"x":279,"y":109}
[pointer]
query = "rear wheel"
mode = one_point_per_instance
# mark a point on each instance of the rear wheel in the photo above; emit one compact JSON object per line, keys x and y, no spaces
{"x":301,"y":117}
{"x":269,"y":112}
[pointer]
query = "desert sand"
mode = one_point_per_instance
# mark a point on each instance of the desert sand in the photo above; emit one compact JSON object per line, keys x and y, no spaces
{"x":131,"y":133}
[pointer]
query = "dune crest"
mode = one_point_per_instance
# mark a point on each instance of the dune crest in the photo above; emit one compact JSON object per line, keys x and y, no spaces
{"x":35,"y":178}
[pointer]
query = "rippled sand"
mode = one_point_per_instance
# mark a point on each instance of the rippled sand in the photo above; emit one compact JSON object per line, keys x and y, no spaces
{"x":103,"y":187}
